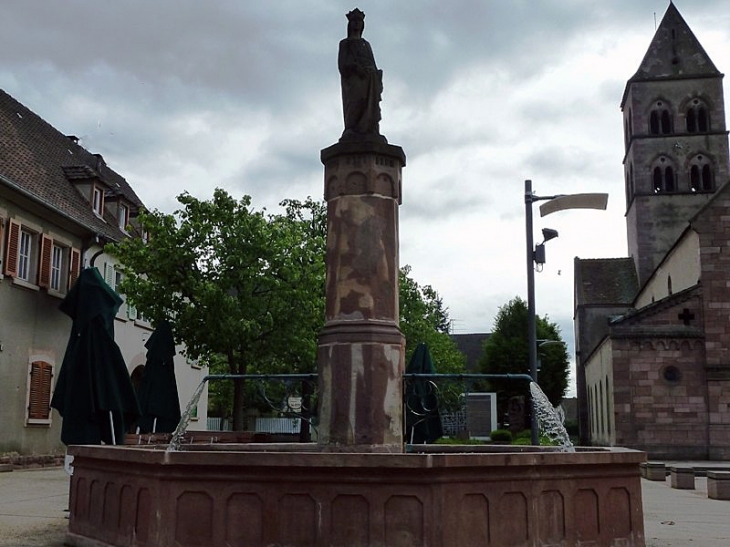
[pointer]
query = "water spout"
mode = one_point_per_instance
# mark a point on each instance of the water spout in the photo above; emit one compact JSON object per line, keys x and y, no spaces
{"x":179,"y":433}
{"x":550,"y":422}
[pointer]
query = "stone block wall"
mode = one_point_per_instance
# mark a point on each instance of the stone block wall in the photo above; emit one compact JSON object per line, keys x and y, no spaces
{"x":666,"y":418}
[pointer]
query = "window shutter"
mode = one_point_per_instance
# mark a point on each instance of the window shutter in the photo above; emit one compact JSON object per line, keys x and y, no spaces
{"x":109,"y":274}
{"x":39,"y":398}
{"x":74,"y":267}
{"x":13,"y":248}
{"x":131,"y":312}
{"x":44,"y":271}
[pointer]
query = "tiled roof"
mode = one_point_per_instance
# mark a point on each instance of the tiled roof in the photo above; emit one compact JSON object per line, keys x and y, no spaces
{"x":43,"y":163}
{"x":605,"y":281}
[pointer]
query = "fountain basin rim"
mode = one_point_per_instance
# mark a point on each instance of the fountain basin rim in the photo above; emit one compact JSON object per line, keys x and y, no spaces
{"x":273,"y":456}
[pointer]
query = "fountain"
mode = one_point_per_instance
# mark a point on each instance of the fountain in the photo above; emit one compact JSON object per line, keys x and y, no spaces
{"x":356,"y":486}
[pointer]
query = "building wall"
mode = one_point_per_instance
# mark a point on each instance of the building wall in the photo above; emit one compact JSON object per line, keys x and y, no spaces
{"x":682,"y":267}
{"x":32,"y":329}
{"x":714,"y":234}
{"x":668,"y":419}
{"x":600,"y":395}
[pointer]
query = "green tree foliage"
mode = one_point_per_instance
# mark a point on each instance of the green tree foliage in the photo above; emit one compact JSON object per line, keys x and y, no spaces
{"x":506,"y":351}
{"x":239,"y":286}
{"x":423,"y":318}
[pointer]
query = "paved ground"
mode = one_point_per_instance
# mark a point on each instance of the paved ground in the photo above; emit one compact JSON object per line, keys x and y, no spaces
{"x":32,"y":505}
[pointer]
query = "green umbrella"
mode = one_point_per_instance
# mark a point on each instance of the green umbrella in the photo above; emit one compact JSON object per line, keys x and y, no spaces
{"x":423,"y":422}
{"x":94,"y":393}
{"x":157,"y":392}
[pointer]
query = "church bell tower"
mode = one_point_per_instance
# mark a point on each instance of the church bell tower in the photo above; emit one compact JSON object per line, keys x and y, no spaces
{"x":676,"y":144}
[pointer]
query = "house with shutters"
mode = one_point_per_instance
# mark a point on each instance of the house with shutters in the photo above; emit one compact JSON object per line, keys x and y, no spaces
{"x":652,"y":329}
{"x":59,"y":206}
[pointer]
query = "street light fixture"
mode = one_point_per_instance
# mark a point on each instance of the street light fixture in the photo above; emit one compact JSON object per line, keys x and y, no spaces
{"x":553,"y":204}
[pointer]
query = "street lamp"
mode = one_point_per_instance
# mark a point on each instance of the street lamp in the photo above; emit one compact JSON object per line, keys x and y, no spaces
{"x":553,"y":204}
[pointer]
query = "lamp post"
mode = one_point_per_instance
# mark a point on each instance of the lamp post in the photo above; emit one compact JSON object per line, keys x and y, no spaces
{"x":553,"y":204}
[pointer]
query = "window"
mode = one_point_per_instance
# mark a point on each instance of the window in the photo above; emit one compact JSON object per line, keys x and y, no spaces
{"x":123,"y":216}
{"x":660,"y":121}
{"x":110,"y":275}
{"x":25,"y":255}
{"x":697,"y":117}
{"x":663,"y":177}
{"x":38,"y":259}
{"x":57,"y":270}
{"x":40,"y":385}
{"x":98,"y":200}
{"x":701,"y":174}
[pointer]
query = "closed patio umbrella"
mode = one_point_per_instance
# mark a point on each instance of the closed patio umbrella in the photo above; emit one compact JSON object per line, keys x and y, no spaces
{"x":423,"y":422}
{"x":94,"y":393}
{"x":157,"y":393}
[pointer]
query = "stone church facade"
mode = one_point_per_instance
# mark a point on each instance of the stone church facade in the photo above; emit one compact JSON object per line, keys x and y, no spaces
{"x":653,"y":329}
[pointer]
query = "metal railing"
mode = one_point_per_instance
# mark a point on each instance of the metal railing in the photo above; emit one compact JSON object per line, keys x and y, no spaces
{"x":294,"y":396}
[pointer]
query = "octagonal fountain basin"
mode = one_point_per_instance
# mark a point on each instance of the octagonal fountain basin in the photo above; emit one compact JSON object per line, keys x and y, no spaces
{"x":299,"y":495}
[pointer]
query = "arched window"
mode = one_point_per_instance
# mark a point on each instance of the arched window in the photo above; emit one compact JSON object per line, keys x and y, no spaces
{"x":663,"y":175}
{"x":700,"y":174}
{"x":697,"y":117}
{"x":629,"y":183}
{"x":660,"y":120}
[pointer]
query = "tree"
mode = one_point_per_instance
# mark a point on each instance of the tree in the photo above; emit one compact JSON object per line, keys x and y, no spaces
{"x":234,"y":282}
{"x":506,"y":351}
{"x":423,"y":318}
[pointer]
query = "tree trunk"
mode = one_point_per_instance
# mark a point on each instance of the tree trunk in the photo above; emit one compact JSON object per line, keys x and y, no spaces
{"x":238,"y":366}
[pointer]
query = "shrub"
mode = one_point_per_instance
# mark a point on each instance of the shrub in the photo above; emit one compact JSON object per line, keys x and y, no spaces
{"x":501,"y":435}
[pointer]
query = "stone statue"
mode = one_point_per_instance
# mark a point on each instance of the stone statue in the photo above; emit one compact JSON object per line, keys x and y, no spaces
{"x":362,"y":83}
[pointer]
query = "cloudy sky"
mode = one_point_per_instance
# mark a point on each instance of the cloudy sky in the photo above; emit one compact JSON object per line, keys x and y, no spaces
{"x":188,"y":96}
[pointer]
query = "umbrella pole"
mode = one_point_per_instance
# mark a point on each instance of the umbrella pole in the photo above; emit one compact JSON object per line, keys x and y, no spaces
{"x":154,"y":425}
{"x":111,"y":424}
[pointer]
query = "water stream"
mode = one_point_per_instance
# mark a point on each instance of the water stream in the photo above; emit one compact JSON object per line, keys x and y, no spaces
{"x":179,"y":433}
{"x":551,"y":424}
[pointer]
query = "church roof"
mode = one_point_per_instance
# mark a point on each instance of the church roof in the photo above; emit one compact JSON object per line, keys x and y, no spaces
{"x":605,"y":281}
{"x":43,"y":164}
{"x":674,"y":53}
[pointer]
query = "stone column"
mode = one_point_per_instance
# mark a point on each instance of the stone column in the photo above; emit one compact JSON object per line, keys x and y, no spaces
{"x":361,"y":349}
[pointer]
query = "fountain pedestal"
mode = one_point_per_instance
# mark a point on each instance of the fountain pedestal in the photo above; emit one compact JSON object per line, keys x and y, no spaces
{"x":361,"y":349}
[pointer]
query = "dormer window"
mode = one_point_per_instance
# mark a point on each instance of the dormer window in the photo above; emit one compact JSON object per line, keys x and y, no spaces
{"x":123,"y":216}
{"x":97,"y":201}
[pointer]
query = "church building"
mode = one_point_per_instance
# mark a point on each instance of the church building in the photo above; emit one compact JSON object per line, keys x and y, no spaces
{"x":652,"y":329}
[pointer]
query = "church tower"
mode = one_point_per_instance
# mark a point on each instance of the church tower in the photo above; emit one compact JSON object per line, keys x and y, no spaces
{"x":676,"y":145}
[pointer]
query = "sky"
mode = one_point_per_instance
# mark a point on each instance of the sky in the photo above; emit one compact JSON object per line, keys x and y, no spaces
{"x":184,"y":95}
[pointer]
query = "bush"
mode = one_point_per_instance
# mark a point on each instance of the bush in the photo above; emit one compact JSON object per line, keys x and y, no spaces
{"x":501,"y":435}
{"x":524,"y":434}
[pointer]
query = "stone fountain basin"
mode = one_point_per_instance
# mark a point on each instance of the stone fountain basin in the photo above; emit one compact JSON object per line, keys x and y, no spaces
{"x":300,"y":495}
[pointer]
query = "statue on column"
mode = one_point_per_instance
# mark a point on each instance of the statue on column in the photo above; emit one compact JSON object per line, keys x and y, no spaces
{"x":362,"y":83}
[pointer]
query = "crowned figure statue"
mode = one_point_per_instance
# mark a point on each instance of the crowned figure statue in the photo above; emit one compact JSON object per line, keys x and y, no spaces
{"x":362,"y":83}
